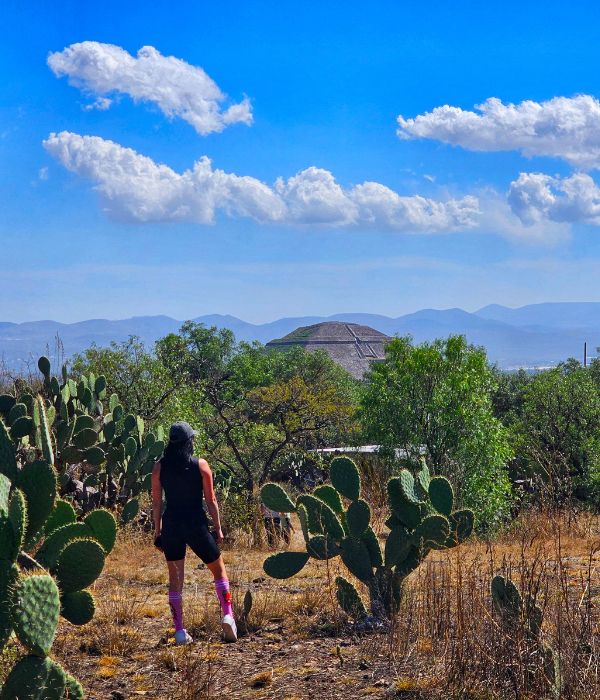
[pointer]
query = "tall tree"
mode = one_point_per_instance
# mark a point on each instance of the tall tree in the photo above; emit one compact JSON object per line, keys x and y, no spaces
{"x":144,"y":385}
{"x":559,"y":431}
{"x":435,"y":399}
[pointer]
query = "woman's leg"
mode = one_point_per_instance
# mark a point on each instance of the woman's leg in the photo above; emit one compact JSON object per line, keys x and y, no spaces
{"x":204,"y":546}
{"x":176,"y":576}
{"x":217,"y":569}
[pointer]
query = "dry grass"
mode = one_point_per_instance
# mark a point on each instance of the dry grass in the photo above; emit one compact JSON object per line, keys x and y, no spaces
{"x":446,"y":641}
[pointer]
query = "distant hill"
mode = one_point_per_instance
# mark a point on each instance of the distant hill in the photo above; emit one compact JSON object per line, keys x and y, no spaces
{"x":533,"y":335}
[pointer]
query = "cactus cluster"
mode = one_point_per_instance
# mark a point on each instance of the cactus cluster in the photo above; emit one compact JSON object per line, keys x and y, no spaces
{"x":336,"y":521}
{"x":82,"y":431}
{"x":48,"y":559}
{"x":520,"y":617}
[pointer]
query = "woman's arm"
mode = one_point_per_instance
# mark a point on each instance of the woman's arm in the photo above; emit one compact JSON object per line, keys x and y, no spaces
{"x":156,"y":499}
{"x":211,"y":498}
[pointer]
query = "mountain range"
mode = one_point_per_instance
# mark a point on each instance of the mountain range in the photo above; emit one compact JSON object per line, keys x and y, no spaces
{"x":529,"y":336}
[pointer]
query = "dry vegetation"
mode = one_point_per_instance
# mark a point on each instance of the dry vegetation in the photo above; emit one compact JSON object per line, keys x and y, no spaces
{"x":446,"y":642}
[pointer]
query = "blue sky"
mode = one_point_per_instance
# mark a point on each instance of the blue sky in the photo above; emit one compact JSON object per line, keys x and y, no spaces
{"x":508,"y":214}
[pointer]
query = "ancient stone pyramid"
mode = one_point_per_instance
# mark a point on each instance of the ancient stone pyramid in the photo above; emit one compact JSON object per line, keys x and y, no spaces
{"x":351,"y":345}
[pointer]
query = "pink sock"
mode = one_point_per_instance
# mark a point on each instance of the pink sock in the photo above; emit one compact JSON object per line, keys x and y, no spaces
{"x":224,"y":596}
{"x":176,"y":605}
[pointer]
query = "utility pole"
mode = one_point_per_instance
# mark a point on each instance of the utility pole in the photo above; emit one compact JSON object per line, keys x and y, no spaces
{"x":585,"y":354}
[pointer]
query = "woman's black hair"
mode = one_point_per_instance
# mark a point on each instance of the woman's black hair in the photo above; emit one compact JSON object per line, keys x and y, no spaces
{"x":178,"y":454}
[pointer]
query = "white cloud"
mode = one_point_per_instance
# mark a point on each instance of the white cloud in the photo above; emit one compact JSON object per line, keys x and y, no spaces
{"x":536,"y":197}
{"x":178,"y":88}
{"x":498,"y":217}
{"x":43,"y":173}
{"x":135,"y":188}
{"x":100,"y":103}
{"x":563,"y":127}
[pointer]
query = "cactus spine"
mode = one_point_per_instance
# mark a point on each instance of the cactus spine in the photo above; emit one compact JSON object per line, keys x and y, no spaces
{"x":421,"y":519}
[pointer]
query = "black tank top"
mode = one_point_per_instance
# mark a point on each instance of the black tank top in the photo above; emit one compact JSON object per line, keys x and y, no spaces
{"x":182,"y":484}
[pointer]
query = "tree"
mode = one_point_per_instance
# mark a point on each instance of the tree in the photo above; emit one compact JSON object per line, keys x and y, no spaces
{"x":559,"y":431}
{"x":508,"y":394}
{"x":143,"y":383}
{"x":435,"y":399}
{"x":255,"y":405}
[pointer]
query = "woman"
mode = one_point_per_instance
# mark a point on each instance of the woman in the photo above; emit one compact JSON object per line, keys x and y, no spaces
{"x":185,"y":480}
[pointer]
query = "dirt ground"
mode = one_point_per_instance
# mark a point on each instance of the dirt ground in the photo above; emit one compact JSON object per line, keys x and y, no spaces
{"x":297,"y":645}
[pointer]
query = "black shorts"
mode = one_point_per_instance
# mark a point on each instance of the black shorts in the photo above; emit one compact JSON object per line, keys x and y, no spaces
{"x":178,"y":533}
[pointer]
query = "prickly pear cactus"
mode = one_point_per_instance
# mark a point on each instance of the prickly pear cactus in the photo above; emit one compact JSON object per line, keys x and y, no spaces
{"x":86,"y":436}
{"x":336,"y":521}
{"x":526,"y":616}
{"x":36,"y":589}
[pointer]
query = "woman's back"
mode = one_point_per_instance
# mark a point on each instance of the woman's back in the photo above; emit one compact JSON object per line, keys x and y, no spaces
{"x":182,"y":483}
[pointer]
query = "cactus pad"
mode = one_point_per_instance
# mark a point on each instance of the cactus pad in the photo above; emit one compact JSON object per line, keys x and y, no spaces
{"x":8,"y":456}
{"x":408,"y":487}
{"x":441,"y":495}
{"x":74,"y":691}
{"x":54,"y":544}
{"x":17,"y":516}
{"x":506,"y":597}
{"x":358,"y":517}
{"x":432,"y":533}
{"x":329,"y":495}
{"x":35,"y":613}
{"x":247,"y":604}
{"x":349,"y":599}
{"x":5,"y":485}
{"x":397,"y":546}
{"x":62,"y":514}
{"x":303,"y":518}
{"x":37,"y":480}
{"x":372,"y":543}
{"x":345,"y":477}
{"x":78,"y":607}
{"x":424,"y":477}
{"x":355,"y":556}
{"x":44,"y":366}
{"x":275,"y":498}
{"x":7,"y":401}
{"x":321,"y":547}
{"x":21,"y":427}
{"x":56,"y":683}
{"x":79,"y":565}
{"x":17,"y":411}
{"x":85,"y":438}
{"x":103,"y":527}
{"x":312,"y":506}
{"x":331,"y":524}
{"x":46,"y":440}
{"x":130,"y":511}
{"x":409,"y":514}
{"x":27,"y":679}
{"x":94,"y":456}
{"x":285,"y":564}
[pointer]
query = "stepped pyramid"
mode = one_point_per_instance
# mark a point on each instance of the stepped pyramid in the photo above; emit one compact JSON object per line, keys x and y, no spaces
{"x":351,"y":345}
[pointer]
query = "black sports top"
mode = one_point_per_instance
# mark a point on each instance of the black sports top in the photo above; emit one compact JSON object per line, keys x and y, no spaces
{"x":183,"y":489}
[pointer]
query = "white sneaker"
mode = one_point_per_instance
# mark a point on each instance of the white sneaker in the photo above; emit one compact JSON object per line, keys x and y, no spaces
{"x":229,"y":629}
{"x":182,"y":637}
